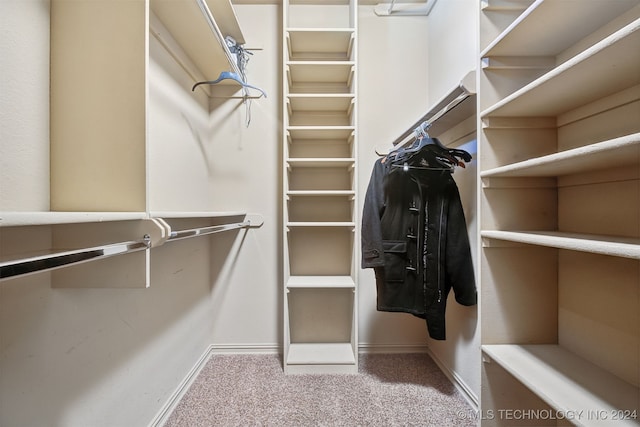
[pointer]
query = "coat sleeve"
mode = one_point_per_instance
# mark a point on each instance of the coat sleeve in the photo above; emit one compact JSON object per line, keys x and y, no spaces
{"x":371,"y":233}
{"x":459,"y":264}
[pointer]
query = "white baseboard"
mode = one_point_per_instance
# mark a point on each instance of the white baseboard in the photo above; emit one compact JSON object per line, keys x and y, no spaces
{"x":367,"y":348}
{"x":246,"y":349}
{"x":457,"y":381}
{"x":165,"y":412}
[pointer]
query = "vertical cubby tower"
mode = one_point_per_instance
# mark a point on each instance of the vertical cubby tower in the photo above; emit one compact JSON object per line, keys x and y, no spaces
{"x":559,"y":103}
{"x":319,"y":186}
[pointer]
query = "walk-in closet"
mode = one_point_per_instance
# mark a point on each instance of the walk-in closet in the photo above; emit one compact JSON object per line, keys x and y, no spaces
{"x":319,"y":212}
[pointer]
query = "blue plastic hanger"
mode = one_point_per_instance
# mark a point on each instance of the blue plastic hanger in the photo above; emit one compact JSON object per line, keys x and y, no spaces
{"x":229,"y":75}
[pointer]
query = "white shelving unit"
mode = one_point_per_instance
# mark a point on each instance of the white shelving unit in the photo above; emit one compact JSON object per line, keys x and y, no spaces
{"x":558,"y":376}
{"x":99,"y":144}
{"x":319,"y":147}
{"x":559,"y":101}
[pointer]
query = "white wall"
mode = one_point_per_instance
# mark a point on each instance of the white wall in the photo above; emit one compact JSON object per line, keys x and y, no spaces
{"x":453,"y":44}
{"x":392,"y":94}
{"x":247,"y":165}
{"x":24,"y":105}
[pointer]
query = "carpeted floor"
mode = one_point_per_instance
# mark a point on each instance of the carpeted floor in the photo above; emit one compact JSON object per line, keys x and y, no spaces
{"x":389,"y":390}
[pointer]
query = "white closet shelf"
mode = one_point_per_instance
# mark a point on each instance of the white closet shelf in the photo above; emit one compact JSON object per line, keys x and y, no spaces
{"x":600,"y":70}
{"x":321,"y":162}
{"x":320,"y":2}
{"x":318,"y":43}
{"x":560,"y":33}
{"x":320,"y":354}
{"x":321,"y":224}
{"x":598,"y":244}
{"x":504,"y":5}
{"x":321,"y":133}
{"x":15,"y":219}
{"x":312,"y":193}
{"x":199,"y":27}
{"x":195,"y":214}
{"x":569,"y":383}
{"x":341,"y":72}
{"x":334,"y":102}
{"x":616,"y":152}
{"x":311,"y":282}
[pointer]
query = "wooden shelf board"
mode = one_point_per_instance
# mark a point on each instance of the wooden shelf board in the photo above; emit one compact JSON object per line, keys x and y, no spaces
{"x":560,"y":33}
{"x":321,"y":162}
{"x":195,"y":214}
{"x":504,"y":5}
{"x":15,"y":219}
{"x":612,"y":153}
{"x":321,"y":132}
{"x":320,"y":40}
{"x":568,"y":383}
{"x":330,"y":282}
{"x":321,"y":224}
{"x":598,"y":71}
{"x":339,"y":103}
{"x":320,"y":354}
{"x":315,"y":193}
{"x":320,"y":72}
{"x":605,"y":245}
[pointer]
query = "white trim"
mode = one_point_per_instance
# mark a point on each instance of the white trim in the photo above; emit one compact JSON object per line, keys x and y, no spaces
{"x":165,"y":412}
{"x":246,"y":349}
{"x":368,"y":348}
{"x":457,"y":381}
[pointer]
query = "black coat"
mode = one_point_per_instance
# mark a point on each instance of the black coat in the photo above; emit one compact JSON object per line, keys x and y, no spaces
{"x":415,"y":237}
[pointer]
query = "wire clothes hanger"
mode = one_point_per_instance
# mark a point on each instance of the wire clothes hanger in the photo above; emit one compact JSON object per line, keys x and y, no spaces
{"x":229,"y":75}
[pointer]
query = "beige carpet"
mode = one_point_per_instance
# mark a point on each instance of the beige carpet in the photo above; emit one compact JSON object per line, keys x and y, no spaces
{"x":389,"y":390}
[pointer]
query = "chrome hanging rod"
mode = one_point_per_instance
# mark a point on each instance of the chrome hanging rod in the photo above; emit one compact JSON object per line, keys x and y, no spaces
{"x":431,"y":117}
{"x":20,"y":267}
{"x":184,"y":234}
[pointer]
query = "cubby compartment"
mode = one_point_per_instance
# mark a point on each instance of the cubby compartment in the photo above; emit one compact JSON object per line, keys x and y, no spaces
{"x":324,"y":142}
{"x":518,"y":290}
{"x":338,"y":14}
{"x":320,"y":77}
{"x":321,"y":251}
{"x":319,"y":175}
{"x":321,"y":207}
{"x":321,"y":329}
{"x":311,"y":310}
{"x":320,"y":109}
{"x":321,"y":44}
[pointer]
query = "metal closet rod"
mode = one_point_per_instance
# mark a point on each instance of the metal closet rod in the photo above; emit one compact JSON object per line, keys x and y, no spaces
{"x":203,"y":231}
{"x":431,"y":117}
{"x":40,"y":263}
{"x":21,"y":267}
